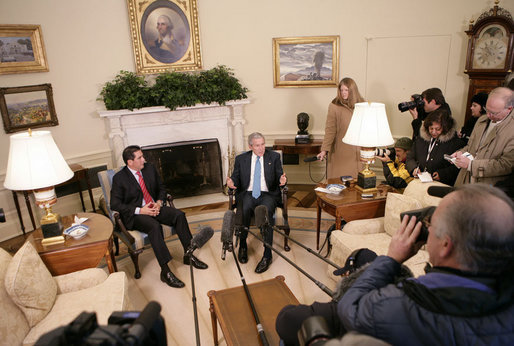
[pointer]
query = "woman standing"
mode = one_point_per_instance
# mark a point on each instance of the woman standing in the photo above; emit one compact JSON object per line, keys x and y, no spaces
{"x":437,"y":136}
{"x":344,"y":158}
{"x":478,"y":102}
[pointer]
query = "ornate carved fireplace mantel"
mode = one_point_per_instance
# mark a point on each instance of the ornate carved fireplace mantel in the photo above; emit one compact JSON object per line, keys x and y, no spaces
{"x":157,"y":125}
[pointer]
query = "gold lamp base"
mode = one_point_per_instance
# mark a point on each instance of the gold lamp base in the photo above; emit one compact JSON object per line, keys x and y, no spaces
{"x":367,"y":179}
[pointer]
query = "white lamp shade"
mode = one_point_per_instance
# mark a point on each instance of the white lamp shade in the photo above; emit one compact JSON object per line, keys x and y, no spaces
{"x":35,"y":162}
{"x":369,"y":126}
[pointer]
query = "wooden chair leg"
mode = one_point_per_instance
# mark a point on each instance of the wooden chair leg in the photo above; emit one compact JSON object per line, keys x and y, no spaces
{"x":116,"y":245}
{"x":287,"y":230}
{"x":135,"y":258}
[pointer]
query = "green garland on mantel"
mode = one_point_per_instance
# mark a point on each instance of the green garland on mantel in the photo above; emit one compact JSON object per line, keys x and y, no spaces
{"x":172,"y":89}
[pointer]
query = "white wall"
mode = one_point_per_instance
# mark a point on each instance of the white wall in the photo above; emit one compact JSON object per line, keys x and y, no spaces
{"x":88,"y":42}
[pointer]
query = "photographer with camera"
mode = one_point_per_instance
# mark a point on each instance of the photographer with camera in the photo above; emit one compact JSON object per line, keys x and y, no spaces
{"x":468,"y":295}
{"x":422,"y":105}
{"x":395,"y":171}
{"x":466,"y":298}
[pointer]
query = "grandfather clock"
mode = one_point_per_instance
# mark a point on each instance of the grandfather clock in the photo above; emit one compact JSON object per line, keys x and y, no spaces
{"x":490,"y":56}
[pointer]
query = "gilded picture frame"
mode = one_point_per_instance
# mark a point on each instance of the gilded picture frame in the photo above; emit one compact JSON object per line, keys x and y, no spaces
{"x":165,"y":35}
{"x":26,"y":107}
{"x":22,"y":49}
{"x":306,"y":61}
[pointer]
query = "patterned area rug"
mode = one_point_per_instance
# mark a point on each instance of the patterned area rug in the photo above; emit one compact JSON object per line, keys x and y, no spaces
{"x":177,"y":306}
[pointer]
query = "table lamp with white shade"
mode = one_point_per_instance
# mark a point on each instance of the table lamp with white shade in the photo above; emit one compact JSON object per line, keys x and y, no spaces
{"x":368,"y":129}
{"x":35,"y":163}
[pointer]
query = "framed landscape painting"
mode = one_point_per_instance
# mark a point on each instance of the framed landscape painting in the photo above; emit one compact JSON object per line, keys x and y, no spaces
{"x":165,"y":35}
{"x":22,"y":49}
{"x":306,"y":61}
{"x":27,"y":107}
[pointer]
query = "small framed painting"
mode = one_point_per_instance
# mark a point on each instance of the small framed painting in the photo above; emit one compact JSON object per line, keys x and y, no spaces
{"x":22,"y":49}
{"x":27,"y":107}
{"x":306,"y":61}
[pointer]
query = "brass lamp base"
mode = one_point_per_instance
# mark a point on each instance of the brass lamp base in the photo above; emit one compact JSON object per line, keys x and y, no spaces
{"x":52,"y":240}
{"x":51,"y":225}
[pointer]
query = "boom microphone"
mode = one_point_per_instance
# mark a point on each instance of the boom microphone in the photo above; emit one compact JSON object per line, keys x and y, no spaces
{"x":261,"y":216}
{"x":227,"y":232}
{"x":318,"y":283}
{"x":200,"y":239}
{"x":310,"y":159}
{"x":440,"y":191}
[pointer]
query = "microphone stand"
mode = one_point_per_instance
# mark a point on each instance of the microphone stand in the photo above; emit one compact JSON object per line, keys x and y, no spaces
{"x":197,"y":329}
{"x":318,"y":283}
{"x":306,"y":248}
{"x":260,"y":329}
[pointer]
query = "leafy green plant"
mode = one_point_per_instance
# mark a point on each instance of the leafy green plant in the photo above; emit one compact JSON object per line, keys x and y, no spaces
{"x":126,"y":91}
{"x":173,"y":89}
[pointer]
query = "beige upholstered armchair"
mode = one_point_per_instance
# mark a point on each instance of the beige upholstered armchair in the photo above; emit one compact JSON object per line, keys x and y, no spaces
{"x":134,"y":240}
{"x":34,"y":303}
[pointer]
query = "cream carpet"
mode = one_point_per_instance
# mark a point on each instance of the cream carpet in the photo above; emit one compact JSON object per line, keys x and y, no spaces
{"x":177,"y":306}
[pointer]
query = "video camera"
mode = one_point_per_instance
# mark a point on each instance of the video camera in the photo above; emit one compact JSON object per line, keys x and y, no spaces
{"x":124,"y":328}
{"x":416,"y":103}
{"x":424,"y":215}
{"x":314,"y":332}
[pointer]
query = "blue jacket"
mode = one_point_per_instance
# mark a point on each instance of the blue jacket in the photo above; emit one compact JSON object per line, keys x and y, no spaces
{"x":440,"y":308}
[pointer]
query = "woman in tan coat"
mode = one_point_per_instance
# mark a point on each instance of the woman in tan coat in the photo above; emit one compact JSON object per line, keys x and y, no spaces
{"x":343,"y":158}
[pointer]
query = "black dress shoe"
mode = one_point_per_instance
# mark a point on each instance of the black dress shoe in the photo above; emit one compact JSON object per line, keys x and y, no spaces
{"x":171,"y":280}
{"x":196,"y":262}
{"x":263,"y":265}
{"x":242,"y":254}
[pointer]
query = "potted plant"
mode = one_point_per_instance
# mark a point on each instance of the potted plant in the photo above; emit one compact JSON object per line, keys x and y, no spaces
{"x":172,"y":89}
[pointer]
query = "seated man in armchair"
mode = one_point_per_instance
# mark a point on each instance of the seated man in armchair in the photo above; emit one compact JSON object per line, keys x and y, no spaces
{"x":257,"y":178}
{"x":137,"y":193}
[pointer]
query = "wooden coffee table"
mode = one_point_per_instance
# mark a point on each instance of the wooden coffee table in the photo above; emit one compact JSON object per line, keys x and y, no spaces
{"x":73,"y":255}
{"x":350,"y":205}
{"x":232,"y":309}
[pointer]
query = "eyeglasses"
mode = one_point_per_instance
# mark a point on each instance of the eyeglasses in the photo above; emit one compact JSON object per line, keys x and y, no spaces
{"x":488,"y":112}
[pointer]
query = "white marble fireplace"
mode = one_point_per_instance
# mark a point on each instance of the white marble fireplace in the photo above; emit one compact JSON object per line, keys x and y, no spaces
{"x":159,"y":125}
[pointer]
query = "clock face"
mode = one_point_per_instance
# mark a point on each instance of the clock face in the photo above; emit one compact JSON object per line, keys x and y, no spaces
{"x":491,"y":48}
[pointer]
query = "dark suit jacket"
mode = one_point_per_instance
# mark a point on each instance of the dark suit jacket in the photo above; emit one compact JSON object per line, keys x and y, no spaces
{"x":126,"y":194}
{"x":272,"y":168}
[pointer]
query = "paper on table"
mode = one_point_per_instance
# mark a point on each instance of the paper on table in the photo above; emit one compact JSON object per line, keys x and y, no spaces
{"x":425,"y":177}
{"x":322,"y":189}
{"x":78,"y":220}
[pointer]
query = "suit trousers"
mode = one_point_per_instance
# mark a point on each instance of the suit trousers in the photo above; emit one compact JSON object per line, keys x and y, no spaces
{"x":248,"y":207}
{"x":151,"y":225}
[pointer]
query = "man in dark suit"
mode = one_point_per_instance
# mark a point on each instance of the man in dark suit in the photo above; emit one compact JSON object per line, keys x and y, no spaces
{"x":138,"y":193}
{"x":257,"y":178}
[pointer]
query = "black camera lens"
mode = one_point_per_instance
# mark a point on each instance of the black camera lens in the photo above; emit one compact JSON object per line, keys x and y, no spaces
{"x":417,"y":102}
{"x":424,"y":215}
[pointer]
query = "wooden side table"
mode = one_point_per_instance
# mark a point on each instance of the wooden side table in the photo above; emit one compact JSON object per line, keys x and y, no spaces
{"x":231,"y":308}
{"x":288,"y":146}
{"x":79,"y":174}
{"x":350,"y":205}
{"x":73,"y":255}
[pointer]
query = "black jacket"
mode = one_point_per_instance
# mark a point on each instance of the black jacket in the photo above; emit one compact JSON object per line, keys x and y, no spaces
{"x":446,"y":144}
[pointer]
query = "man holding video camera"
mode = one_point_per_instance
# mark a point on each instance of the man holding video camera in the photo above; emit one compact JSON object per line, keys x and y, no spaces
{"x":468,"y":295}
{"x":466,"y":298}
{"x":430,"y":100}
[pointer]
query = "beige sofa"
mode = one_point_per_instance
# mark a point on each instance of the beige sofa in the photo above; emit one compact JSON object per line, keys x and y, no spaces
{"x":375,"y":234}
{"x":33,"y":302}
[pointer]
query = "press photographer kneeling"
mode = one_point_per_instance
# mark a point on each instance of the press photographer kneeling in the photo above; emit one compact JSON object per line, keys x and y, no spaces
{"x":467,"y":297}
{"x":393,"y":162}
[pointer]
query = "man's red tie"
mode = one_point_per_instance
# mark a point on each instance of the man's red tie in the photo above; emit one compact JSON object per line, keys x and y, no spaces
{"x":146,"y":194}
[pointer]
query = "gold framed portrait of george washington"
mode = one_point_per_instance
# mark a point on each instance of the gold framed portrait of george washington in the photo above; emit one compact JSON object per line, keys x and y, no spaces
{"x":165,"y":35}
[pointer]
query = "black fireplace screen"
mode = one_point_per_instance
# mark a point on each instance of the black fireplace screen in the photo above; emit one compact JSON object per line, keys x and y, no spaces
{"x":189,"y":168}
